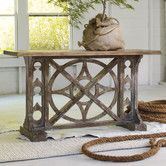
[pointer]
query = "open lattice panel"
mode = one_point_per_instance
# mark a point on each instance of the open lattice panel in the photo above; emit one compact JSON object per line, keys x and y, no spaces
{"x":80,"y":92}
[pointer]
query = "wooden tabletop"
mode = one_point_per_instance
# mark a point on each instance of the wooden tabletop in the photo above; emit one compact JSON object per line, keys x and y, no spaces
{"x":80,"y":53}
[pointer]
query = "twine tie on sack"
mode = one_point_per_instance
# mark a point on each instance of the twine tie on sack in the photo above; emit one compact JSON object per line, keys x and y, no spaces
{"x":102,"y":35}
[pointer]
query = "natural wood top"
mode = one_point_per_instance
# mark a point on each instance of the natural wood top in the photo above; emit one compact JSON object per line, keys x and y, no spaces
{"x":80,"y":53}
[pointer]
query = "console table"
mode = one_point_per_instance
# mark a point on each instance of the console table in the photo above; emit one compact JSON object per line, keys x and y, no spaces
{"x":118,"y":61}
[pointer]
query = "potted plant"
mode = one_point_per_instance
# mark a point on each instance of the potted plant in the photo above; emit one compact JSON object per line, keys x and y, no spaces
{"x":102,"y":32}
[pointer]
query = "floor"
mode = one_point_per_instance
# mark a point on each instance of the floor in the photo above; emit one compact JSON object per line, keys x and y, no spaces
{"x":81,"y":160}
{"x":145,"y":93}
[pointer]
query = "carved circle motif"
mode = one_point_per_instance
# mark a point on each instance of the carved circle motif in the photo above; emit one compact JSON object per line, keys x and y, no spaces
{"x":37,"y":90}
{"x":75,"y":82}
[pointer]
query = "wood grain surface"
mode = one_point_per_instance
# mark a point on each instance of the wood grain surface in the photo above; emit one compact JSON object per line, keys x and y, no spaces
{"x":80,"y":53}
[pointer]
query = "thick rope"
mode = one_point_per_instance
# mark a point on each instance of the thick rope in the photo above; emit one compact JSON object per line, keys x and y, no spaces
{"x":154,"y":111}
{"x":150,"y":111}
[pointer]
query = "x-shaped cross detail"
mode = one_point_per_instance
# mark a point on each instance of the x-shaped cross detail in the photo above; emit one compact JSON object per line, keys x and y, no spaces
{"x":84,"y":90}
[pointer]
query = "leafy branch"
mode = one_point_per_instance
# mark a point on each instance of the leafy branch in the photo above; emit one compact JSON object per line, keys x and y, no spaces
{"x":77,"y":8}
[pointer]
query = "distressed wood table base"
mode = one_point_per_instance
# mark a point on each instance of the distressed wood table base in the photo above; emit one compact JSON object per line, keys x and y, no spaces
{"x":119,"y":63}
{"x":34,"y":136}
{"x":127,"y":121}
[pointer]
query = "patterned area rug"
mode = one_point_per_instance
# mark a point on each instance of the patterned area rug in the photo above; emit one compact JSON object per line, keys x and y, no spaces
{"x":14,"y":147}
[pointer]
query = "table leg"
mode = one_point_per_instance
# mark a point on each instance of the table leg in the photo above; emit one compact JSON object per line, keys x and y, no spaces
{"x":132,"y":120}
{"x":34,"y":128}
{"x":121,"y":78}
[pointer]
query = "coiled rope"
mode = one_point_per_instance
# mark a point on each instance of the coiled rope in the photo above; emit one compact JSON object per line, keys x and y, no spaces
{"x":154,"y":111}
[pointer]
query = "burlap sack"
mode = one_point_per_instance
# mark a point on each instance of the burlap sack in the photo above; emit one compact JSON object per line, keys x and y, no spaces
{"x":102,"y":35}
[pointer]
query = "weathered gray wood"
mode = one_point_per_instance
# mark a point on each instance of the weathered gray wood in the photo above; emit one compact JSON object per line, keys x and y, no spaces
{"x":121,"y":76}
{"x":35,"y":129}
{"x":133,"y":120}
{"x":45,"y":79}
{"x":83,"y":91}
{"x":29,"y":92}
{"x":30,"y":124}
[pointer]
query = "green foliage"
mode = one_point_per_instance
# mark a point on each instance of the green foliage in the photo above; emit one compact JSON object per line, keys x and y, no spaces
{"x":49,"y":33}
{"x":45,"y":33}
{"x":76,"y":8}
{"x":6,"y":34}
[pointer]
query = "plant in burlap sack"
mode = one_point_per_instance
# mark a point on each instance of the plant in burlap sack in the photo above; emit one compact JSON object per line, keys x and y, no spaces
{"x":102,"y":32}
